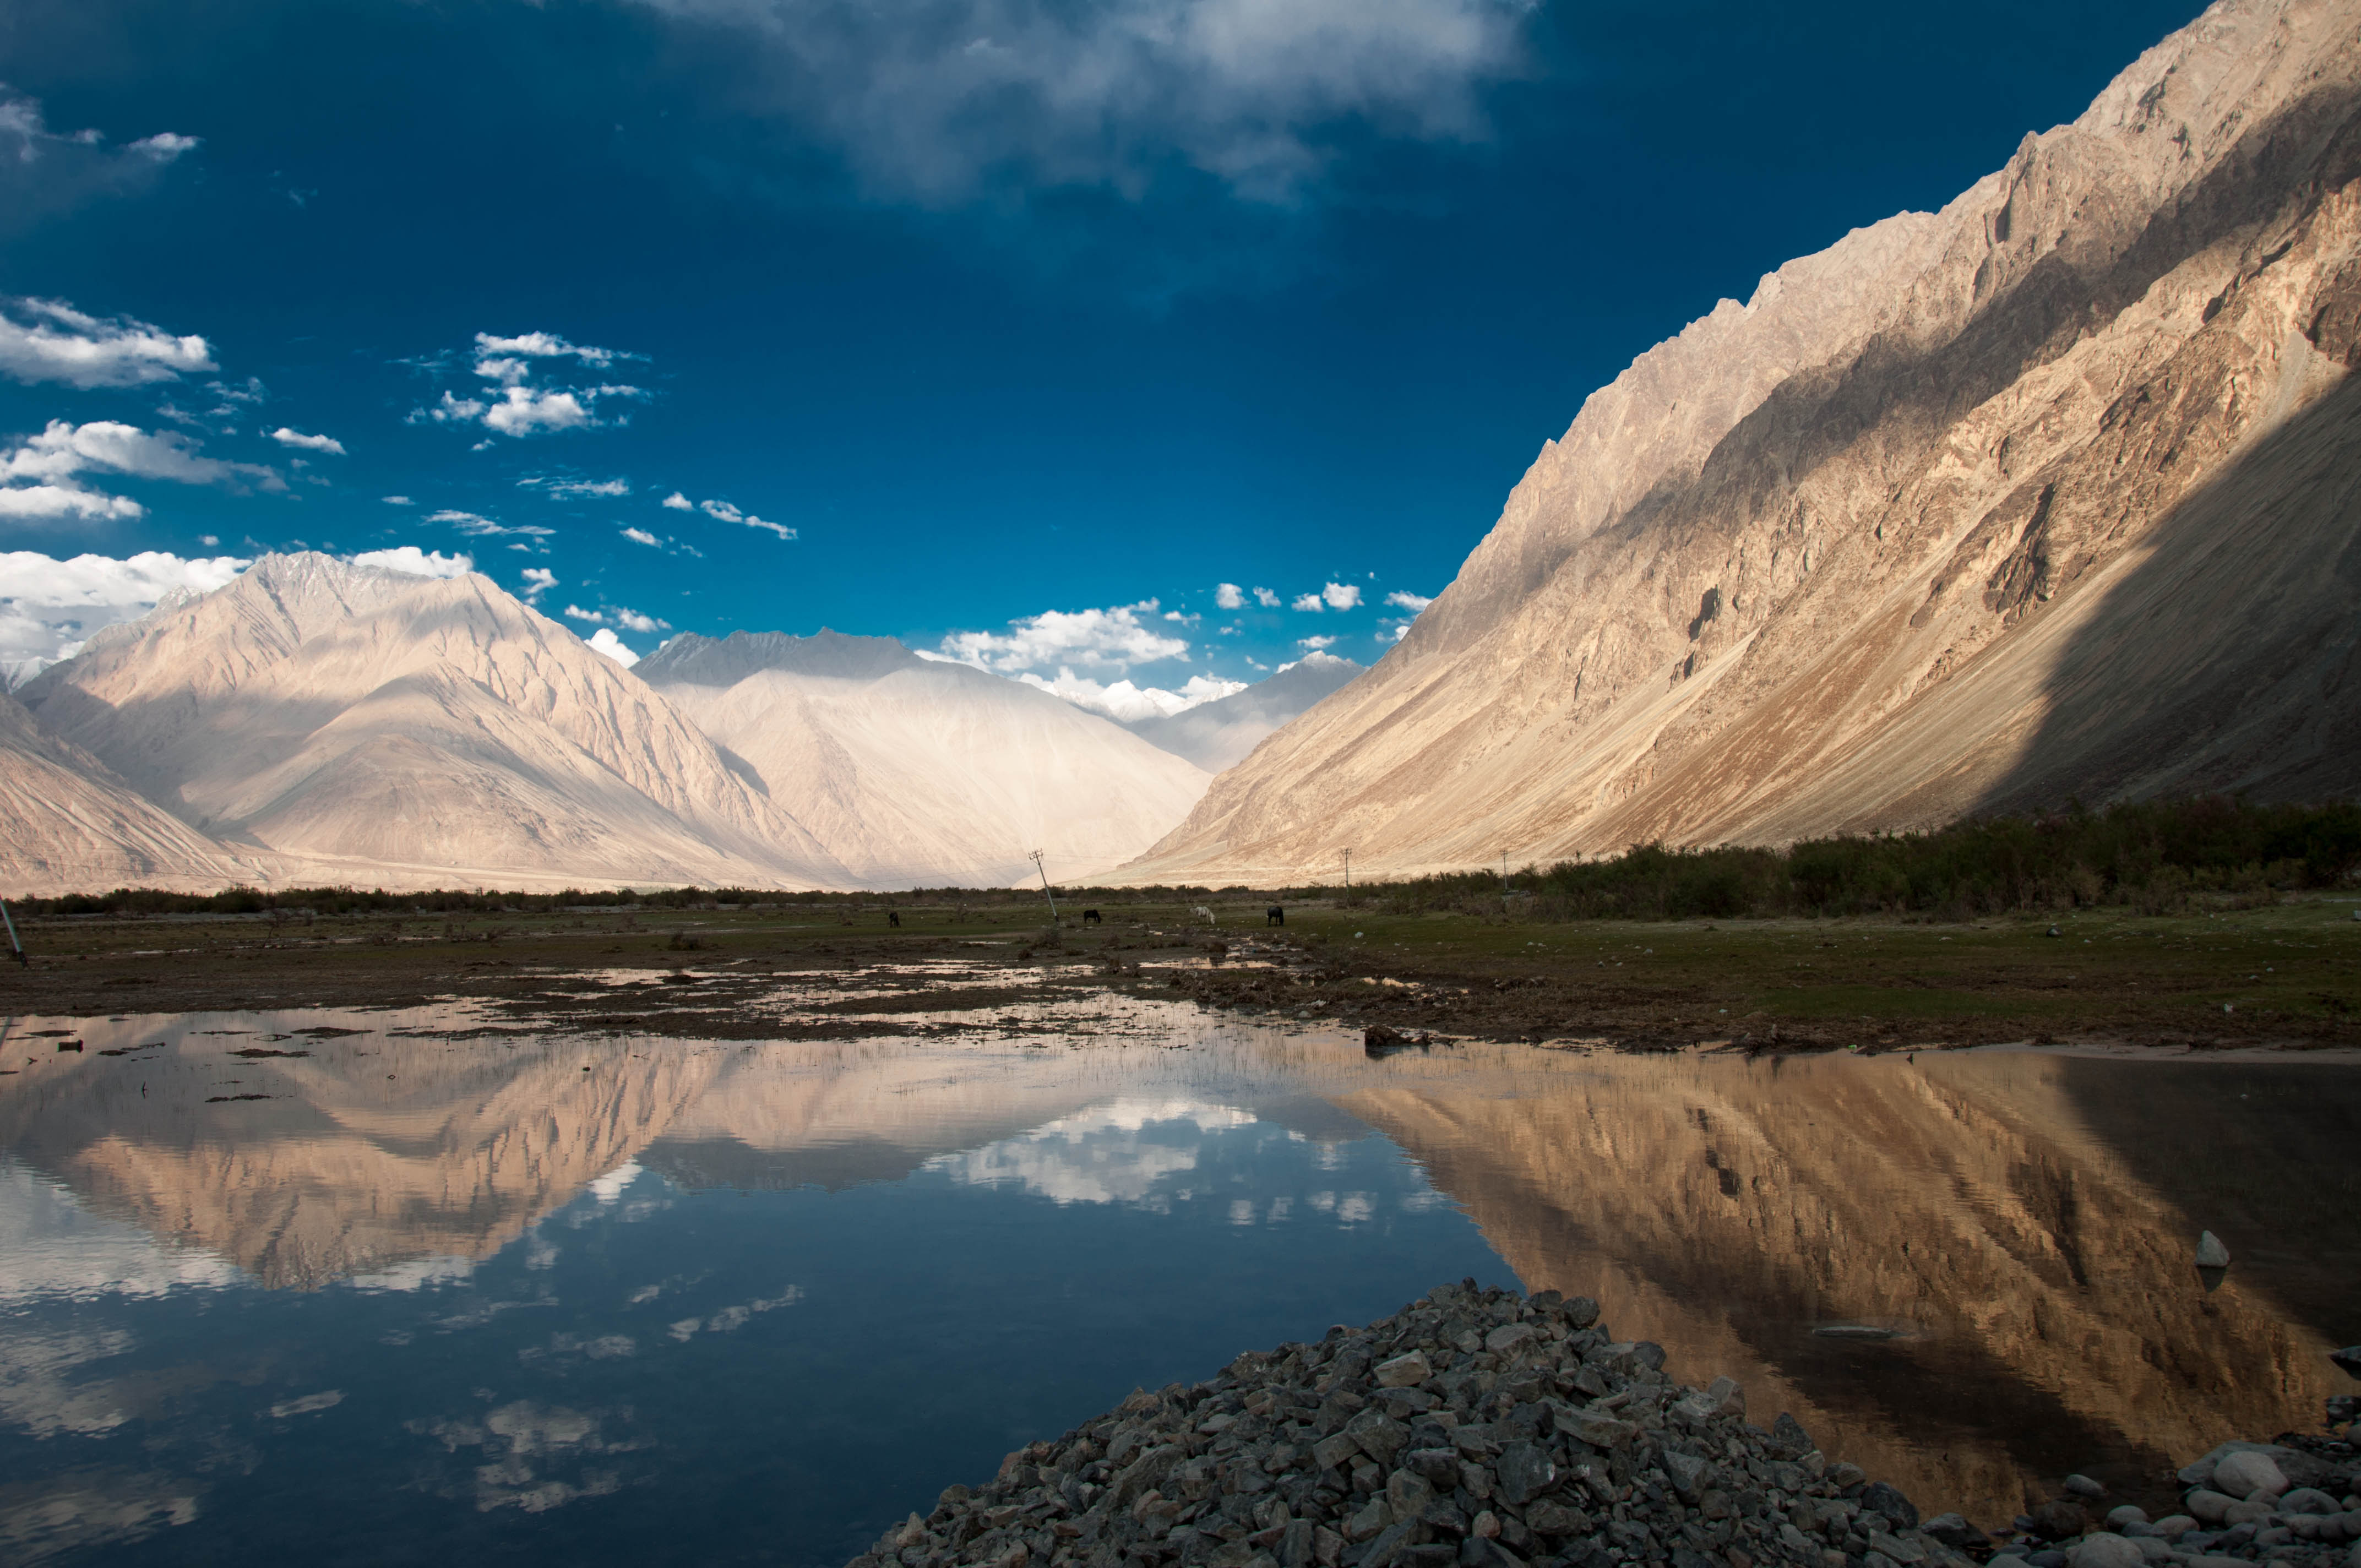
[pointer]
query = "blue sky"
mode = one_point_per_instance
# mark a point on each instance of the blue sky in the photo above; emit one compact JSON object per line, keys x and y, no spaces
{"x":934,"y":315}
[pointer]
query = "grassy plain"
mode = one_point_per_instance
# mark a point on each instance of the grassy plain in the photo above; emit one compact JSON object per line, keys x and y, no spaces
{"x":2287,"y":973}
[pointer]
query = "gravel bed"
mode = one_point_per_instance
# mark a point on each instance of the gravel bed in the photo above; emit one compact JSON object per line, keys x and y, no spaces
{"x":1475,"y":1426}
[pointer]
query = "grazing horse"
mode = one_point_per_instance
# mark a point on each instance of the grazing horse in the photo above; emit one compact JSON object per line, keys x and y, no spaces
{"x":1208,"y":914}
{"x":1274,"y":915}
{"x":892,"y":917}
{"x":1089,"y":916}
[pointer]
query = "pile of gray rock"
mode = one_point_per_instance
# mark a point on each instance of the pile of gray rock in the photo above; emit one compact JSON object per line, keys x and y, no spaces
{"x":2247,"y":1503}
{"x":1475,"y":1426}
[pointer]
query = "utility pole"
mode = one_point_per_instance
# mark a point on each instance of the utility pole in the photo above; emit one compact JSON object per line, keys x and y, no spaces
{"x":13,"y":942}
{"x":1504,"y":871}
{"x":1035,"y":858}
{"x":1348,"y":873}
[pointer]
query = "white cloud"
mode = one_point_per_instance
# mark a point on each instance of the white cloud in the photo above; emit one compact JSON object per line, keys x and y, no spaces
{"x":573,"y":488}
{"x":727,"y":513}
{"x":286,"y":437}
{"x":1408,"y":600}
{"x":1105,"y":639}
{"x":1341,"y":596}
{"x":642,"y":536}
{"x":1266,"y":598}
{"x":538,"y":580}
{"x":617,"y":614}
{"x":936,"y":98}
{"x":27,"y":503}
{"x":520,"y":409}
{"x":1401,"y":630}
{"x":398,"y":501}
{"x":482,"y":527}
{"x":1315,"y":644}
{"x":409,"y":558}
{"x":48,"y":340}
{"x":1310,"y":601}
{"x":1229,"y":596}
{"x":67,"y":448}
{"x":49,"y":608}
{"x":679,"y":502}
{"x":1098,"y":1156}
{"x":1126,"y":701}
{"x":604,"y":641}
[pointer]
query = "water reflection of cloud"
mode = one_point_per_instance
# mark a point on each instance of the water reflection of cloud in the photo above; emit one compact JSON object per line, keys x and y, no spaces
{"x":534,"y":1456}
{"x":51,"y":1246}
{"x":55,"y":1515}
{"x":1103,"y":1155}
{"x":417,"y":1273}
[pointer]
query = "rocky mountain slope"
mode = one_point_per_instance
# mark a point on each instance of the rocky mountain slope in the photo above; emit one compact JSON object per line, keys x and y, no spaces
{"x":911,"y":770}
{"x":366,"y":725}
{"x":1221,"y":734}
{"x":2045,"y":493}
{"x":66,"y":822}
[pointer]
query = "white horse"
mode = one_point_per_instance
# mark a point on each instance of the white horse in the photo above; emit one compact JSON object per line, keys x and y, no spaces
{"x":1208,"y":914}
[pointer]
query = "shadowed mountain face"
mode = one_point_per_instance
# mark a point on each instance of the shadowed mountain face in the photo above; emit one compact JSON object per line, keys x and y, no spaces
{"x":2021,"y":1227}
{"x":915,"y":771}
{"x":2045,"y":493}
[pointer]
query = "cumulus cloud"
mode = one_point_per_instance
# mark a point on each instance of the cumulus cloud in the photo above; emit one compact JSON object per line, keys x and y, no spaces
{"x":642,"y":536}
{"x":1315,"y":644}
{"x":1266,"y":598}
{"x":538,"y":580}
{"x":1341,"y":596}
{"x":516,"y":406}
{"x":398,"y":501}
{"x":1229,"y":596}
{"x":418,"y":563}
{"x":1126,"y":701}
{"x":604,"y":641}
{"x":329,"y":443}
{"x":936,"y":99}
{"x":53,"y":503}
{"x":66,"y":448}
{"x":48,"y":340}
{"x":49,"y":608}
{"x":725,"y":512}
{"x":1311,"y":602}
{"x":1408,"y":600}
{"x":1096,"y":639}
{"x":678,"y":502}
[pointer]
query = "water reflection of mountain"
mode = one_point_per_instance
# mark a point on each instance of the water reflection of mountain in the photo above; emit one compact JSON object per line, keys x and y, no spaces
{"x":2051,"y":1320}
{"x":2024,"y":1223}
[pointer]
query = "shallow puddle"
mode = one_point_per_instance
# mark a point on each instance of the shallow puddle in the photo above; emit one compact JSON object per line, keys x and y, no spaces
{"x":441,"y":1289}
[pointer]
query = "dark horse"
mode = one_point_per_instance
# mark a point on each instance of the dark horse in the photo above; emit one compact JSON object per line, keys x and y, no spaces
{"x":1274,"y":915}
{"x":1089,"y":916}
{"x":892,"y":917}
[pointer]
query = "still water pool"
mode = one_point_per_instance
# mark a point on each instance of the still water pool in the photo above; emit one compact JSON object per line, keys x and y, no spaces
{"x":391,"y":1289}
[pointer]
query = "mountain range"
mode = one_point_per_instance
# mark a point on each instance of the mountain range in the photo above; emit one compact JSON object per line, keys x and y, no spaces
{"x":317,"y":721}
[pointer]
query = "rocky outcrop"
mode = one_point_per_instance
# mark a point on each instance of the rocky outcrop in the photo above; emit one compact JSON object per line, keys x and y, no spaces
{"x":2045,"y":493}
{"x":912,"y":770}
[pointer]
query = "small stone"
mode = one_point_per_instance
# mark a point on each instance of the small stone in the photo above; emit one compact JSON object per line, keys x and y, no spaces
{"x":1897,"y":1509}
{"x":1687,"y":1474}
{"x":1372,"y":1521}
{"x":2084,"y":1487}
{"x":1334,"y":1451}
{"x":2059,"y":1521}
{"x":2307,"y":1500}
{"x":1593,"y":1427}
{"x":1404,"y":1371}
{"x":1486,"y":1551}
{"x":1581,"y":1311}
{"x":1438,"y":1466}
{"x":1953,"y":1531}
{"x":2118,"y":1518}
{"x":2107,"y":1550}
{"x":1508,"y":1336}
{"x":1526,"y":1472}
{"x":2208,"y":1504}
{"x":1486,"y":1525}
{"x":2211,"y":1253}
{"x":2244,"y":1474}
{"x":1789,"y":1434}
{"x":1379,"y":1435}
{"x":2172,"y":1526}
{"x":2250,"y":1511}
{"x":1729,"y":1399}
{"x":1548,"y":1516}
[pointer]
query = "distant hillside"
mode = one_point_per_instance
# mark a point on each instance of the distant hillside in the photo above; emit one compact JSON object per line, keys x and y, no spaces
{"x":911,"y":770}
{"x":1220,"y":734}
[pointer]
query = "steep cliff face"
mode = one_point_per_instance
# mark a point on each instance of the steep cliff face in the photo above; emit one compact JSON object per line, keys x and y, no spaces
{"x":2045,"y":493}
{"x":367,"y":724}
{"x":912,"y":770}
